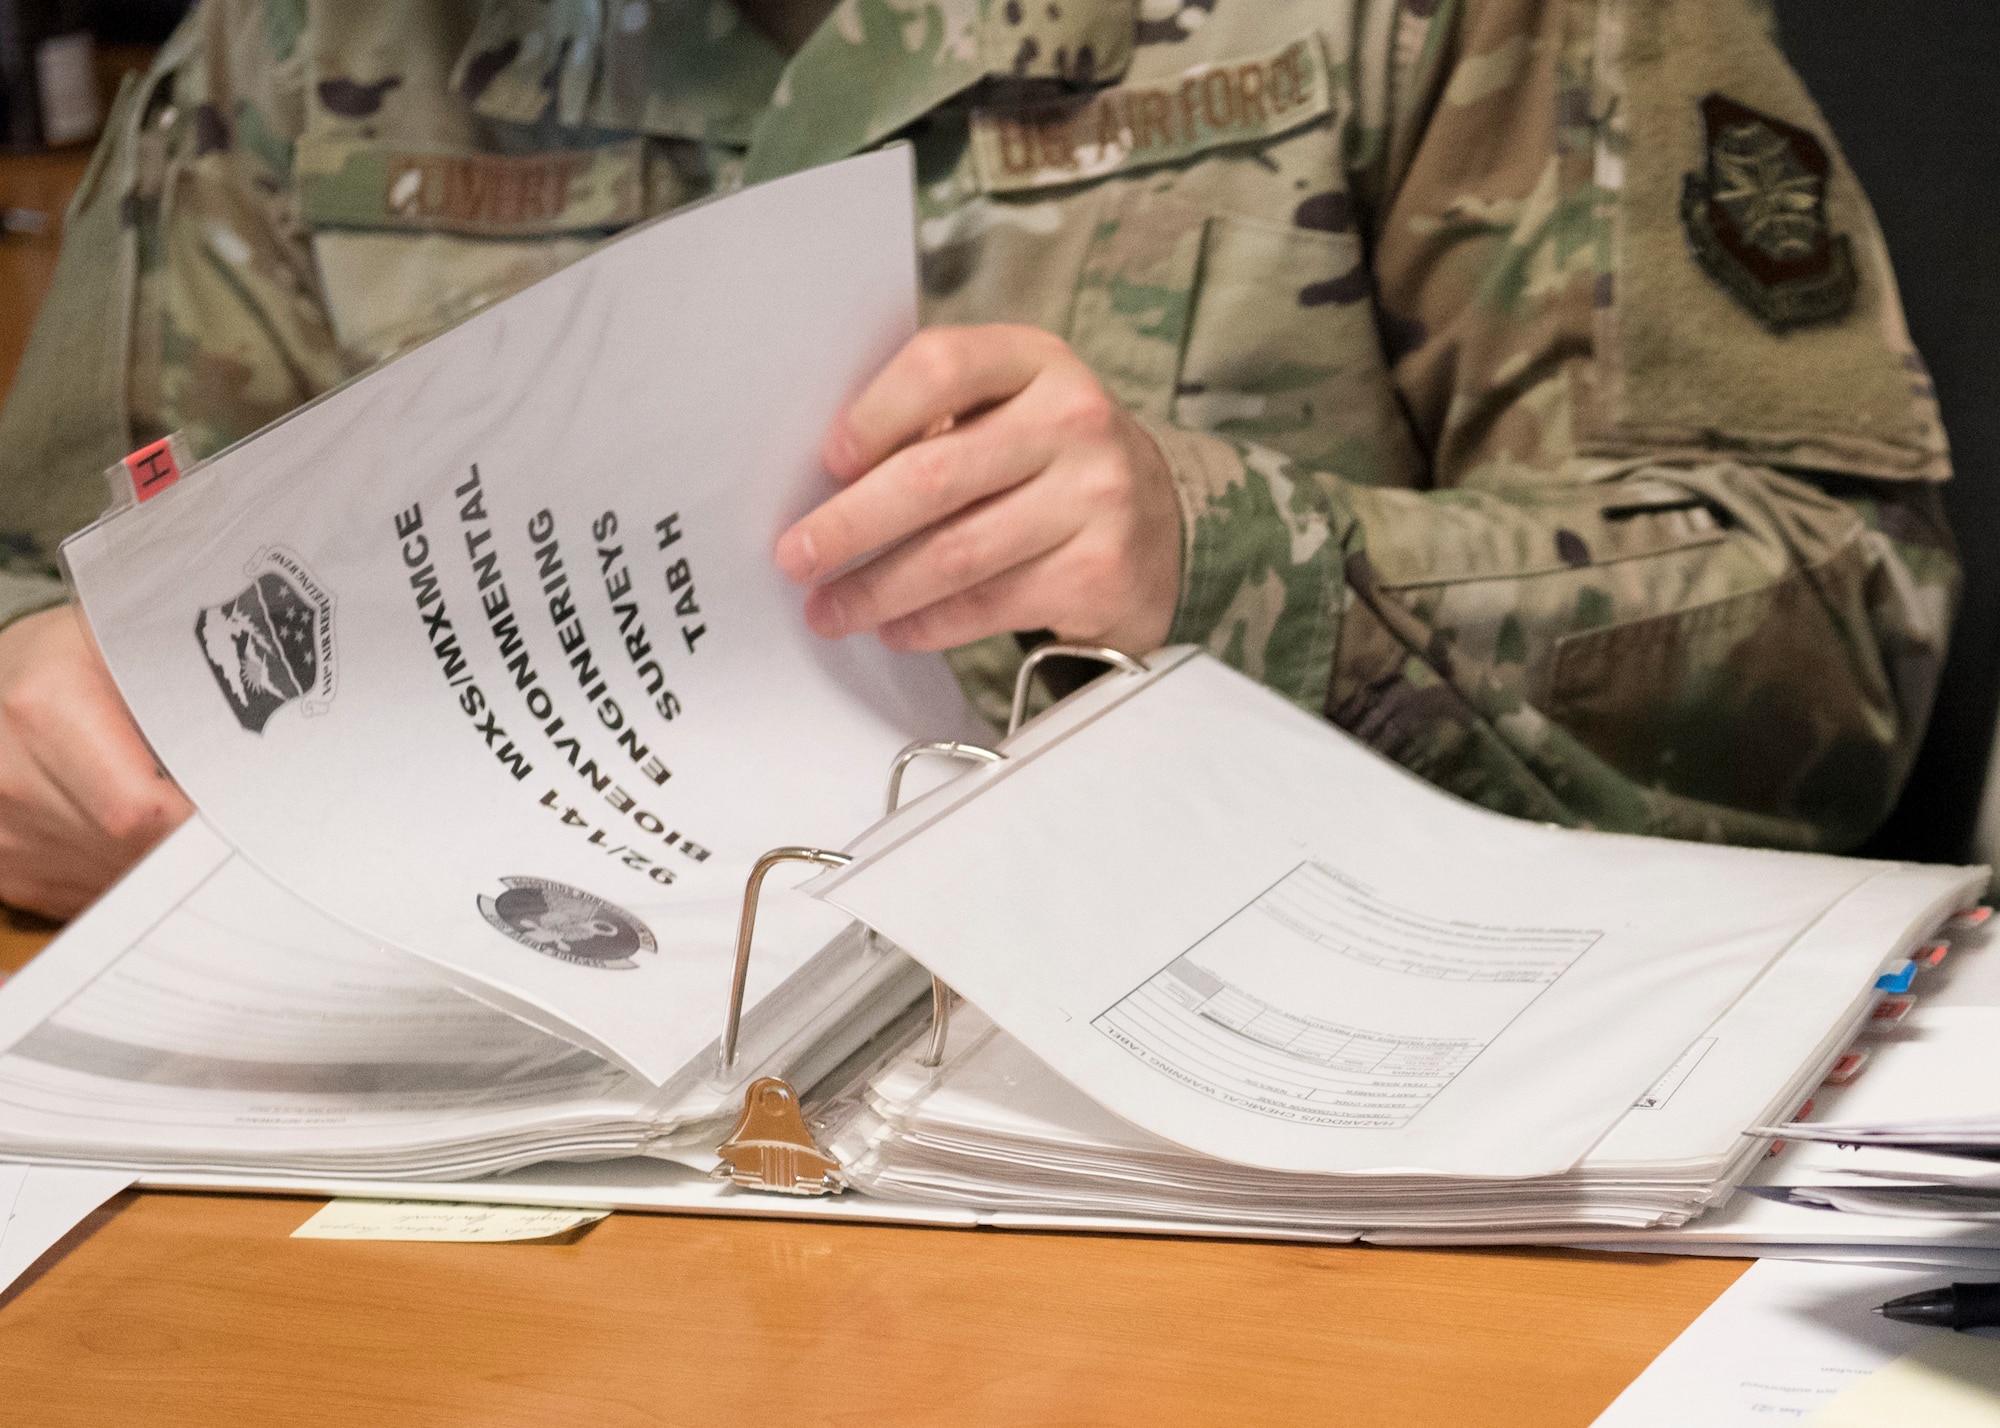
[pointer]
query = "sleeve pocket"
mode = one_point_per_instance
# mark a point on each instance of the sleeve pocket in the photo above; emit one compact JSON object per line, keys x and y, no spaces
{"x":1751,"y":701}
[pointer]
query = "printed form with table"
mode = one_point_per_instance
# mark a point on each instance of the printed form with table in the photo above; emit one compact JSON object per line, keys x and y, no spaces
{"x":542,"y":861}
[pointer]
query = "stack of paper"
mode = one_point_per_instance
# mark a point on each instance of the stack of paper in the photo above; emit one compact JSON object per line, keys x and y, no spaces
{"x":1418,"y":1018}
{"x":993,"y":1126}
{"x":1914,"y":1130}
{"x":239,"y":1030}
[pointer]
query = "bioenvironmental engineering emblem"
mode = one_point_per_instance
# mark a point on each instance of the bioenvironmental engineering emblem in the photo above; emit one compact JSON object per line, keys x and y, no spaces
{"x":567,"y":923}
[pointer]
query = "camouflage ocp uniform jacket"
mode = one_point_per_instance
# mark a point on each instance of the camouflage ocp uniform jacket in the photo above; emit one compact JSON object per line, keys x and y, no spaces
{"x":1531,"y":371}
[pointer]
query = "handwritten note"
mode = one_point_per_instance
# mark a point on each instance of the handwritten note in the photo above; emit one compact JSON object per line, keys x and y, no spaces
{"x":429,"y":1220}
{"x":1948,"y":1381}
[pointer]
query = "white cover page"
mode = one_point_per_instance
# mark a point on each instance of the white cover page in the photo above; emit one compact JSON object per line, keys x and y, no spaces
{"x":484,"y":654}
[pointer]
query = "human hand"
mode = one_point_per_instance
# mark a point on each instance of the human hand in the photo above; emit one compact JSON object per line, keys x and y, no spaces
{"x":992,"y":485}
{"x":81,"y":798}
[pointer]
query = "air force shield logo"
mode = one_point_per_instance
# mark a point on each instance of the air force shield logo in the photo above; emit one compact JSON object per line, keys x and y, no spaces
{"x":272,"y":643}
{"x":567,"y":923}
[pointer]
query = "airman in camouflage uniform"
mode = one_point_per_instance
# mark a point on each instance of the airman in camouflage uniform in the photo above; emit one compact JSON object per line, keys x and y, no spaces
{"x":1530,"y":372}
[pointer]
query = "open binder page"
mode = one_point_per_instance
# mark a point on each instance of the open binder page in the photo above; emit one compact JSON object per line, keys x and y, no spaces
{"x":484,"y":655}
{"x":992,"y":1125}
{"x":1240,"y":930}
{"x":214,"y":1020}
{"x":1774,"y":1045}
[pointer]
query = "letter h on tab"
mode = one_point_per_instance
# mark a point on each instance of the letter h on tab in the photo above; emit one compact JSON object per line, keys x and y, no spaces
{"x":153,"y":468}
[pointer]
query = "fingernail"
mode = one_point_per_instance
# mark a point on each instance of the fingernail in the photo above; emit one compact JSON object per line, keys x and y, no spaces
{"x":794,"y":555}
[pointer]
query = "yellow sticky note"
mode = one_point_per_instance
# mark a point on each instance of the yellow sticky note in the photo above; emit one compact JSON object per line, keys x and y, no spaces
{"x":1948,"y":1381}
{"x":430,"y":1220}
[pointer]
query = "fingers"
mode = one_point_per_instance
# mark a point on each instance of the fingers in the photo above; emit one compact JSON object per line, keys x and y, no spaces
{"x":1008,"y":601}
{"x":993,"y":484}
{"x":70,"y":718}
{"x":915,"y":488}
{"x":36,"y":814}
{"x":1078,"y":550}
{"x":1075,"y":590}
{"x":941,"y":373}
{"x":977,"y":544}
{"x":1059,"y":406}
{"x":80,"y":796}
{"x":53,"y":860}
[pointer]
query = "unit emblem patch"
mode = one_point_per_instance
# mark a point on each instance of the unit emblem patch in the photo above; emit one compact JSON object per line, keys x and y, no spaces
{"x":1756,"y":218}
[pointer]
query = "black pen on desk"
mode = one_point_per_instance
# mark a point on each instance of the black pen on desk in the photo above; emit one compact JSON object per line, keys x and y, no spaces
{"x":1955,"y":1306}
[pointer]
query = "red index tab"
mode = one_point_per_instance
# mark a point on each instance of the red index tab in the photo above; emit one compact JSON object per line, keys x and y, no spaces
{"x":1846,"y":1069}
{"x":152,"y":469}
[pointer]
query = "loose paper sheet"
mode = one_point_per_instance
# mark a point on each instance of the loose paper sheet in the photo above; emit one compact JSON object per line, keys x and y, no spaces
{"x":1935,"y":1062}
{"x":1947,"y":1381}
{"x":11,"y":1177}
{"x":423,"y":1220}
{"x":485,"y":654}
{"x":49,"y":1202}
{"x":1778,"y":1345}
{"x":1747,"y":1219}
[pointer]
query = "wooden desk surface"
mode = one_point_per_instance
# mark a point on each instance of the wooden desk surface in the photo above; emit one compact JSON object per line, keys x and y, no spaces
{"x":196,"y":1310}
{"x":200,"y":1310}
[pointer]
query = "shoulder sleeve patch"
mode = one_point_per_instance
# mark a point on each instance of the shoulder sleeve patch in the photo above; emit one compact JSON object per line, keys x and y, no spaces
{"x":1756,"y":218}
{"x":1745,"y":305}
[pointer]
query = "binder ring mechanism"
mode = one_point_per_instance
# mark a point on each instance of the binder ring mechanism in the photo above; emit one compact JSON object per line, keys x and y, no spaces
{"x":771,"y":1147}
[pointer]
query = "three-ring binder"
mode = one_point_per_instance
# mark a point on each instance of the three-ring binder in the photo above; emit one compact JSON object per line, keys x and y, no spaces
{"x":771,"y":1147}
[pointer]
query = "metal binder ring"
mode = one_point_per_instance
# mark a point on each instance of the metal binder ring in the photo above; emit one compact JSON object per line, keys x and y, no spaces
{"x":951,"y":749}
{"x":1117,"y":659}
{"x":746,"y":927}
{"x":972,"y":753}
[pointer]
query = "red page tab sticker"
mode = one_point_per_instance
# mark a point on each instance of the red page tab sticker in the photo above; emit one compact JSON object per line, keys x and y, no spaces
{"x":152,"y":469}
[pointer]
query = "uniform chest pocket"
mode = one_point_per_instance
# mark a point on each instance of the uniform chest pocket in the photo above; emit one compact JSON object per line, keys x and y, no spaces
{"x":1252,"y":330}
{"x":1135,"y":295}
{"x":1283,"y":350}
{"x":409,"y":242}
